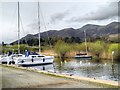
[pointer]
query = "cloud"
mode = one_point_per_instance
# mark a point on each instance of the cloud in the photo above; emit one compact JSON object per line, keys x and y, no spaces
{"x":59,"y":16}
{"x":102,"y":13}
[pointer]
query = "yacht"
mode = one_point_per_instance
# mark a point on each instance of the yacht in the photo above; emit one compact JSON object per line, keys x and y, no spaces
{"x":32,"y":59}
{"x":29,"y":58}
{"x":5,"y":58}
{"x":83,"y":55}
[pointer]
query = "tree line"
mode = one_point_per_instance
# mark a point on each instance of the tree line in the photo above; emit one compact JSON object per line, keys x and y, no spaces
{"x":52,"y":41}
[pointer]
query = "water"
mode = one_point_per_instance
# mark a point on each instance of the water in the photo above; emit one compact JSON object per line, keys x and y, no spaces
{"x":87,"y":68}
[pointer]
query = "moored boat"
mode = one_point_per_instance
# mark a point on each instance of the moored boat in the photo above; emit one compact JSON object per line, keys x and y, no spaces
{"x":28,"y":58}
{"x":32,"y":59}
{"x":5,"y":58}
{"x":83,"y":56}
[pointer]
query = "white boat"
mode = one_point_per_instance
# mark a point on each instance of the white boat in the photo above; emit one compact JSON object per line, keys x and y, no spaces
{"x":23,"y":60}
{"x":28,"y":58}
{"x":1,"y":56}
{"x":83,"y":55}
{"x":4,"y":59}
{"x":32,"y":59}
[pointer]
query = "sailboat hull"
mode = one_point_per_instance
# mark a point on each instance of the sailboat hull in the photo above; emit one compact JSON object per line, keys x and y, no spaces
{"x":83,"y":57}
{"x":37,"y":60}
{"x":35,"y":63}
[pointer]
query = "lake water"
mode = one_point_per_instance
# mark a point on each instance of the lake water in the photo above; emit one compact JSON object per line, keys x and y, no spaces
{"x":89,"y":68}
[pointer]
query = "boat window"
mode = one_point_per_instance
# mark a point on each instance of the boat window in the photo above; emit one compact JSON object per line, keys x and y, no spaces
{"x":40,"y":56}
{"x":19,"y":55}
{"x":33,"y":56}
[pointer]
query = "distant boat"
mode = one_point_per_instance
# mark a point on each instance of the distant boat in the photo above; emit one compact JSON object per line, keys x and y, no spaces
{"x":29,"y":58}
{"x":83,"y":55}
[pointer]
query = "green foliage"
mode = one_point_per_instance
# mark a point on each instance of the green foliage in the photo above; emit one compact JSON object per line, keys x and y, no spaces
{"x":1,"y":50}
{"x":113,"y":47}
{"x":47,"y":41}
{"x":62,"y":48}
{"x":22,"y":48}
{"x":14,"y":48}
{"x":116,"y":48}
{"x":80,"y":47}
{"x":72,"y":40}
{"x":96,"y":48}
{"x":7,"y":49}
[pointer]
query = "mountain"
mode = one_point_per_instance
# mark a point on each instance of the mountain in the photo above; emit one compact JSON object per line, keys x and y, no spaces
{"x":97,"y":30}
{"x":67,"y":32}
{"x":91,"y":31}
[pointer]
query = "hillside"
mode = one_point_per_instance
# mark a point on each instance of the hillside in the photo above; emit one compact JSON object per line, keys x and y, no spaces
{"x":91,"y":31}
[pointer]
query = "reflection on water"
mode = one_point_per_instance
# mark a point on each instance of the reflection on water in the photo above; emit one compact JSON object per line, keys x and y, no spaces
{"x":88,"y":68}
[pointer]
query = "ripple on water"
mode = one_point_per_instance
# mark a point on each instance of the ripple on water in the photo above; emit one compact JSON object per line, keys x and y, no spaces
{"x":91,"y":69}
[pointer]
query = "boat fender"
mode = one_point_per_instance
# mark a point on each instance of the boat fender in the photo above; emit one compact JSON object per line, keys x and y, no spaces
{"x":43,"y":59}
{"x":22,"y":61}
{"x":13,"y":62}
{"x":10,"y":62}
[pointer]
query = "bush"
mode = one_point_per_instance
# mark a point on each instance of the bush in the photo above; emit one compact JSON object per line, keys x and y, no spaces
{"x":96,"y":48}
{"x":116,"y":49}
{"x":61,"y":48}
{"x":80,"y":47}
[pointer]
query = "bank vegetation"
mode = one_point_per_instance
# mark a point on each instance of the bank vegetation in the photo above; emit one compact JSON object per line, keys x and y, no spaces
{"x":98,"y":49}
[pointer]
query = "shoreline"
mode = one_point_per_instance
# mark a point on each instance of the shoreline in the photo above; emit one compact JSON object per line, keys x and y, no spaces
{"x":108,"y":83}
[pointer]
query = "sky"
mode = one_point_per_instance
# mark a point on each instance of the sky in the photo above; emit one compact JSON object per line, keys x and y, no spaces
{"x":54,"y":15}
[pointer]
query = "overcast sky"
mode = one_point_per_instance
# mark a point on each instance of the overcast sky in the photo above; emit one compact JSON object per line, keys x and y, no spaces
{"x":55,"y":15}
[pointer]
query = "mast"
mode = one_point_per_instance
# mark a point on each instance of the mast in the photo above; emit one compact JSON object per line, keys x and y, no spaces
{"x":18,"y":30}
{"x":39,"y":27}
{"x":85,"y":41}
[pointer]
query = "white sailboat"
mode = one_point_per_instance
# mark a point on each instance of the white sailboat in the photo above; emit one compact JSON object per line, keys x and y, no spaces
{"x":5,"y":58}
{"x":29,"y":58}
{"x":84,"y":55}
